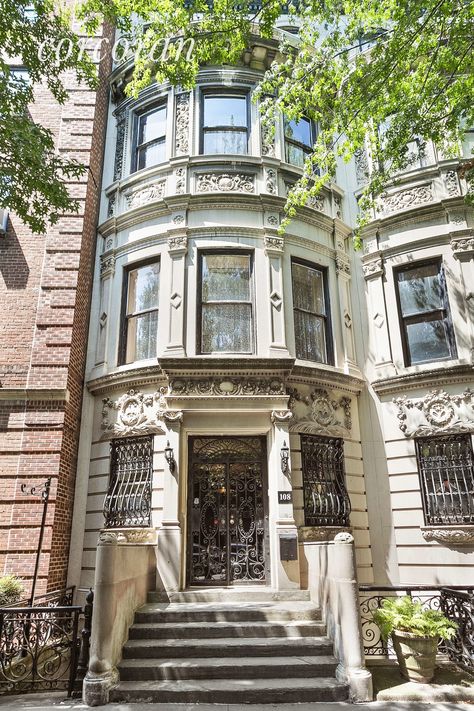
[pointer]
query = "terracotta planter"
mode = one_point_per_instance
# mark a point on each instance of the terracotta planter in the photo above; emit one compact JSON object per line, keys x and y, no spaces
{"x":416,"y":655}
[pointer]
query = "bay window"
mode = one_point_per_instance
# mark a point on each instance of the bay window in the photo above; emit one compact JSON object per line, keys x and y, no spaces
{"x":140,"y":313}
{"x":224,"y":123}
{"x":150,"y":140}
{"x":311,"y":313}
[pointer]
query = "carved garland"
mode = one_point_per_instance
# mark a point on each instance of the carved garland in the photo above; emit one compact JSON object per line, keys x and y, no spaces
{"x":226,"y":386}
{"x":406,"y":198}
{"x":317,"y":413}
{"x":147,"y":194}
{"x":137,"y":414}
{"x":438,"y":412}
{"x":225,"y":182}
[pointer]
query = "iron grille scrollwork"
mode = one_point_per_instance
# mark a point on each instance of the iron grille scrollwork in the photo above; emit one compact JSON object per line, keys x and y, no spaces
{"x":326,"y":502}
{"x":128,"y":500}
{"x":446,"y":469}
{"x":458,"y":605}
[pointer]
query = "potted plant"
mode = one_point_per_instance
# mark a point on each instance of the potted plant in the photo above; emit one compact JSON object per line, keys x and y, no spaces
{"x":11,"y":590}
{"x":415,"y":632}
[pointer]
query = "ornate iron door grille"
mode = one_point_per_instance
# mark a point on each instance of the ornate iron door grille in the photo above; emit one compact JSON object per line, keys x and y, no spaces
{"x":227,"y":521}
{"x":446,"y":469}
{"x":128,"y":500}
{"x":326,"y":502}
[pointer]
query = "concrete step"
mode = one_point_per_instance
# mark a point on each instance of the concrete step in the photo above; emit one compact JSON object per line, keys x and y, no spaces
{"x":204,"y":630}
{"x":227,"y":647}
{"x":227,"y":612}
{"x":230,"y":691}
{"x":232,"y":668}
{"x":243,"y":593}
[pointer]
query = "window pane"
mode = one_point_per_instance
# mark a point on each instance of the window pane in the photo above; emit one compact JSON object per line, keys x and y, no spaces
{"x":428,"y":340}
{"x":152,"y":125}
{"x":151,"y":155}
{"x":225,"y":277}
{"x":226,"y":327}
{"x":295,"y":155}
{"x":143,"y":288}
{"x":299,"y":131}
{"x":225,"y":111}
{"x":308,"y":289}
{"x":142,"y":337}
{"x":310,"y":337}
{"x":225,"y":142}
{"x":420,"y":289}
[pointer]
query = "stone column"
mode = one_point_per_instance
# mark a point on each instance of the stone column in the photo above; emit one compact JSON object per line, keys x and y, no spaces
{"x":343,"y":272}
{"x":274,"y":251}
{"x":177,"y":247}
{"x":373,"y":269}
{"x":285,"y":574}
{"x":168,"y":555}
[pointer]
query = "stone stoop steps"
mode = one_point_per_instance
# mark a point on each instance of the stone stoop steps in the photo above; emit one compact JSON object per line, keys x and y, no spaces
{"x":239,"y":646}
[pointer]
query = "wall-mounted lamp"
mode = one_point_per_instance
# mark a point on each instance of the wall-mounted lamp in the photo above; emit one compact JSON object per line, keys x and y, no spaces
{"x":169,"y":456}
{"x":285,"y":457}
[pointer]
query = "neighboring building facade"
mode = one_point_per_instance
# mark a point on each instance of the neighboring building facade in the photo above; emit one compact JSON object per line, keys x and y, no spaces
{"x":248,"y":392}
{"x":45,"y":291}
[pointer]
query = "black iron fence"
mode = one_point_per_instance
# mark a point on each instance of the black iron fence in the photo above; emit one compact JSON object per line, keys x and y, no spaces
{"x":40,"y":647}
{"x":456,"y":602}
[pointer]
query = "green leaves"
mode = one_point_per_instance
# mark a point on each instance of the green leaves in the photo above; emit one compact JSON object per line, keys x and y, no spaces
{"x":407,"y":615}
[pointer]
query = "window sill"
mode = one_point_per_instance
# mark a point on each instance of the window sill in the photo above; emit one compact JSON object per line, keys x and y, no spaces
{"x":461,"y":535}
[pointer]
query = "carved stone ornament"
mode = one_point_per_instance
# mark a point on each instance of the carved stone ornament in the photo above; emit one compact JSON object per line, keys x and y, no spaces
{"x":225,"y":182}
{"x":361,"y":166}
{"x":137,"y":413}
{"x":317,"y":202}
{"x":463,"y":244}
{"x":281,"y":416}
{"x":449,"y":535}
{"x":437,"y":412}
{"x":107,"y":265}
{"x":177,"y":242}
{"x":132,"y":536}
{"x":271,"y":181}
{"x":180,"y":180}
{"x":273,"y":220}
{"x":149,"y":193}
{"x":179,"y":219}
{"x":457,"y":218}
{"x":268,"y":141}
{"x":373,"y":269}
{"x":111,"y":205}
{"x":182,"y":124}
{"x":316,"y":534}
{"x":405,"y":199}
{"x":119,"y":146}
{"x":226,"y":387}
{"x":319,"y":412}
{"x":342,"y":265}
{"x":273,"y":243}
{"x":451,"y":183}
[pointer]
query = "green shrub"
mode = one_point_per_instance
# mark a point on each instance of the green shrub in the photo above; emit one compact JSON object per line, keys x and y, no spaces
{"x":406,"y":615}
{"x":11,"y":590}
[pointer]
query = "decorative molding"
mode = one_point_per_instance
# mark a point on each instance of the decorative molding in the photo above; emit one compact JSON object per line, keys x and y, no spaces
{"x":451,"y":183}
{"x":111,"y":205}
{"x":137,"y":413}
{"x":450,"y":535}
{"x":317,"y":413}
{"x":268,"y":141}
{"x":271,"y":181}
{"x":225,"y":182}
{"x":107,"y":265}
{"x":437,"y":413}
{"x":404,"y":199}
{"x":318,"y":534}
{"x":173,"y":416}
{"x":180,"y":180}
{"x":361,"y":166}
{"x":132,"y":536}
{"x":464,"y":245}
{"x":342,"y":265}
{"x":226,"y":386}
{"x":337,"y":200}
{"x":281,"y":416}
{"x":120,"y":143}
{"x":273,"y":220}
{"x":182,"y":124}
{"x":179,"y":219}
{"x":146,"y":194}
{"x":273,"y":244}
{"x":374,"y":268}
{"x":457,"y":218}
{"x":317,"y":202}
{"x":177,"y":243}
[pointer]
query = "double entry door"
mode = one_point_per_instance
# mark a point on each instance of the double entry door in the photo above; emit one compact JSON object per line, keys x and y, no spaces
{"x":227,"y":511}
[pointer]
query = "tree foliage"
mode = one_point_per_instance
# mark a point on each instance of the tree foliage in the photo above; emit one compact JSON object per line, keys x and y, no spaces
{"x":32,"y":173}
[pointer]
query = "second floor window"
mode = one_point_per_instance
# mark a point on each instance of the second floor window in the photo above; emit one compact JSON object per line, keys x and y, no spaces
{"x":427,"y":331}
{"x":446,"y":469}
{"x":226,"y":303}
{"x":140,"y":326}
{"x":312,"y":337}
{"x":150,"y":146}
{"x":224,"y":123}
{"x":298,"y":141}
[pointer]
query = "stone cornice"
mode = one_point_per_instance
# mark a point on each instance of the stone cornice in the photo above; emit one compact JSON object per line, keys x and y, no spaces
{"x":127,"y":378}
{"x":460,"y":373}
{"x":320,"y":375}
{"x":226,"y":366}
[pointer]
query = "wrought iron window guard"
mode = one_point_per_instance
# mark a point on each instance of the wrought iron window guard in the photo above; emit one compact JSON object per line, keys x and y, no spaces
{"x":326,"y":502}
{"x":457,"y":603}
{"x":128,"y":500}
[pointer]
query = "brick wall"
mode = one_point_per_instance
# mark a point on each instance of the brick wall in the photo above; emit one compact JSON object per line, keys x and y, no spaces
{"x":45,"y":289}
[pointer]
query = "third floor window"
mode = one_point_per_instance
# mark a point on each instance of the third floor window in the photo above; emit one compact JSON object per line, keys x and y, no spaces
{"x":150,"y":144}
{"x":299,"y":140}
{"x":224,"y":123}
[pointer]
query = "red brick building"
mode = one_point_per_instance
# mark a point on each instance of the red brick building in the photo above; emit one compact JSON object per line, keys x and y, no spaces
{"x":45,"y":287}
